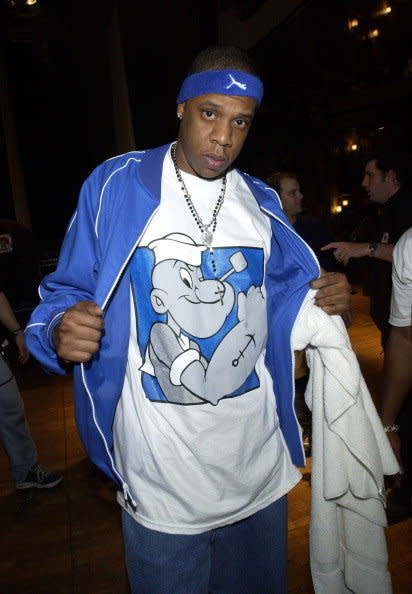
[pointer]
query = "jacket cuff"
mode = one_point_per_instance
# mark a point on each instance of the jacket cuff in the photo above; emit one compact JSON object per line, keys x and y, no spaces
{"x":55,"y":321}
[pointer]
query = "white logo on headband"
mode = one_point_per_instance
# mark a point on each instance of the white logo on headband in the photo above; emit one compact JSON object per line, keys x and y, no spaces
{"x":234,"y":82}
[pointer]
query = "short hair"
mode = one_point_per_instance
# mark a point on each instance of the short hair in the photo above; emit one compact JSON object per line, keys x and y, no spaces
{"x":400,"y":163}
{"x":222,"y":57}
{"x":275,"y":179}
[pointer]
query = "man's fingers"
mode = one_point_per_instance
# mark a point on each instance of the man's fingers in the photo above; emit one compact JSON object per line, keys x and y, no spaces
{"x":330,"y":280}
{"x":331,"y":245}
{"x":81,"y":326}
{"x":89,"y":306}
{"x":331,"y":309}
{"x":76,"y":349}
{"x":85,"y":313}
{"x":78,"y":335}
{"x":83,"y":352}
{"x":333,"y":306}
{"x":68,"y":331}
{"x":333,"y":293}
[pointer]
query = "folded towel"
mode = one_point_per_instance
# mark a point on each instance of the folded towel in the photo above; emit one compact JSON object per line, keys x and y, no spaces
{"x":350,"y":456}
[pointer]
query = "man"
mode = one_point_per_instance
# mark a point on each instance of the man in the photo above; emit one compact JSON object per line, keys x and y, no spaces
{"x":385,"y":182}
{"x":14,"y":431}
{"x":173,"y":362}
{"x":397,"y":379}
{"x":311,"y":228}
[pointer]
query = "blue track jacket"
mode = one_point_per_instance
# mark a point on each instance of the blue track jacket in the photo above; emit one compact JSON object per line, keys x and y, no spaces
{"x":117,"y":202}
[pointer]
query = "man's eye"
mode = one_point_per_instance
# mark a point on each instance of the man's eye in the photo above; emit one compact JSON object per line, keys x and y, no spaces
{"x":241,"y":123}
{"x":208,"y":113}
{"x":186,"y":278}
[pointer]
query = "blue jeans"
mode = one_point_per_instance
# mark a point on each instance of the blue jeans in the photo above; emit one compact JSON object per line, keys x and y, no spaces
{"x":14,"y":431}
{"x":247,"y":557}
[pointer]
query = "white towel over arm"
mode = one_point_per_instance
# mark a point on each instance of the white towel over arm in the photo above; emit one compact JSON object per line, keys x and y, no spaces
{"x":350,"y":456}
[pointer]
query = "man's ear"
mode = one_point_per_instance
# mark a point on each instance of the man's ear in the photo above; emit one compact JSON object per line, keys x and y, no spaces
{"x":391,"y":177}
{"x":158,"y":301}
{"x":180,"y":109}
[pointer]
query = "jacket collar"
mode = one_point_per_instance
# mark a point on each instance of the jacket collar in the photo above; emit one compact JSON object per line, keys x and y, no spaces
{"x":266,"y":197}
{"x":151,"y":169}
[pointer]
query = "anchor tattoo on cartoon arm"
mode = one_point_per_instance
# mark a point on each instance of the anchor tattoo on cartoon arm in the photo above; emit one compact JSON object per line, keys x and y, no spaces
{"x":229,"y":366}
{"x":235,"y":362}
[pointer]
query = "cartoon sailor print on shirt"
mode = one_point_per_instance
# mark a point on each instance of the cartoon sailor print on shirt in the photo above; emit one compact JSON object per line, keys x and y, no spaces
{"x":205,"y":333}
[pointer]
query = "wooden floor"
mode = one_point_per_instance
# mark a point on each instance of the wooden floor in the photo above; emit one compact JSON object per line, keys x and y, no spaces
{"x":67,"y":540}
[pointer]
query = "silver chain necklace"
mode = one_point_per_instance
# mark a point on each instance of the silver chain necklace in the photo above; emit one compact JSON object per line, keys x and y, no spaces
{"x":206,"y":230}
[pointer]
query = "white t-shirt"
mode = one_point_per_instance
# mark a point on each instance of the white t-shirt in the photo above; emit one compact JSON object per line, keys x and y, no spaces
{"x":196,"y":432}
{"x":401,"y":304}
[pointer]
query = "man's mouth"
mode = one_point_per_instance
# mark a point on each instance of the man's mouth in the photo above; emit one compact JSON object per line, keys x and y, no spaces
{"x":214,"y":161}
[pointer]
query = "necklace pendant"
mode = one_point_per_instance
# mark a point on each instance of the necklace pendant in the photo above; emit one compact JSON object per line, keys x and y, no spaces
{"x":207,"y":237}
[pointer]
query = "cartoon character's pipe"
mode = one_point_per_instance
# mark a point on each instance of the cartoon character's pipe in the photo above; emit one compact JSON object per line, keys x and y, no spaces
{"x":238,"y":262}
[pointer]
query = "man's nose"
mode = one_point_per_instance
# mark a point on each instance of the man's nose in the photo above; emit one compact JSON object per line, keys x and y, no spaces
{"x":364,"y":182}
{"x":222,"y":133}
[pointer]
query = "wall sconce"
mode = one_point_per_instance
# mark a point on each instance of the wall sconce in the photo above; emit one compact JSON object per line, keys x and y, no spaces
{"x":352,"y":24}
{"x":351,"y":140}
{"x":345,"y":202}
{"x":373,"y":34}
{"x":31,"y":2}
{"x":384,"y":11}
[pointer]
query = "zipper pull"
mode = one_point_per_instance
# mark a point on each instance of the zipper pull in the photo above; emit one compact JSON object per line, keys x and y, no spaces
{"x":127,"y":497}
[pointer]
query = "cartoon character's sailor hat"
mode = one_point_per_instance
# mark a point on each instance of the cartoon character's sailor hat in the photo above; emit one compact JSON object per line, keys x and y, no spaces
{"x":177,"y":246}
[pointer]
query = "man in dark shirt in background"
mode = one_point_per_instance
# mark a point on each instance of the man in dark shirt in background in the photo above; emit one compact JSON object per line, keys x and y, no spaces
{"x":385,"y":181}
{"x":312,"y":229}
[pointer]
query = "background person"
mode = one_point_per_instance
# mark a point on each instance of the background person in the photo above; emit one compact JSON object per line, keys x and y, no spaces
{"x":386,"y":181}
{"x":311,"y":228}
{"x":14,"y":431}
{"x":396,"y":402}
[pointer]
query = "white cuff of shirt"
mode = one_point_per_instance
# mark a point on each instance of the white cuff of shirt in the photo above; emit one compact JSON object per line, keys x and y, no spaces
{"x":181,"y":362}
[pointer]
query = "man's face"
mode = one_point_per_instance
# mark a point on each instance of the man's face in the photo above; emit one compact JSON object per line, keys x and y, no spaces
{"x":291,"y":196}
{"x":212,"y":132}
{"x":379,"y":185}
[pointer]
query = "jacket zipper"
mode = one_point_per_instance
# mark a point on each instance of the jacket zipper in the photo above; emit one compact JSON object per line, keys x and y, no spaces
{"x":125,"y":487}
{"x":271,"y":214}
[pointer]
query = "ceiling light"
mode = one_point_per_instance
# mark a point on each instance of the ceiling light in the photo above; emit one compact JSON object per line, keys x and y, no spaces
{"x":373,"y":34}
{"x":384,"y":11}
{"x":353,"y":23}
{"x":31,"y":2}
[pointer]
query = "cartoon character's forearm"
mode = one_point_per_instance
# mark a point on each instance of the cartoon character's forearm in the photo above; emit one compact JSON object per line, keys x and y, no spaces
{"x":230,"y":365}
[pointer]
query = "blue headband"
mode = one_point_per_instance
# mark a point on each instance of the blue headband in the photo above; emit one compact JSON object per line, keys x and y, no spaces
{"x":223,"y":82}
